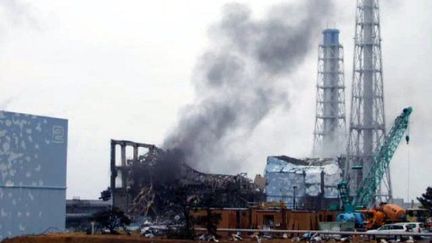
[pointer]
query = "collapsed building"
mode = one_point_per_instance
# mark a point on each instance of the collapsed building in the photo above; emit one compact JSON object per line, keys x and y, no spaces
{"x":158,"y":183}
{"x":309,"y":184}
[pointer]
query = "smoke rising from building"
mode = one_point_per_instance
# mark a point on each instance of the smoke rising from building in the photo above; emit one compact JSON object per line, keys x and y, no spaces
{"x":238,"y":80}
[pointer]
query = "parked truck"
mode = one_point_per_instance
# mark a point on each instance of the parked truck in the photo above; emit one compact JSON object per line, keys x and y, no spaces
{"x":383,"y":214}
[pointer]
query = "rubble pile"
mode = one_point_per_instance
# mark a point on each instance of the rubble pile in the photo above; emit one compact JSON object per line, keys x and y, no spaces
{"x":163,"y":185}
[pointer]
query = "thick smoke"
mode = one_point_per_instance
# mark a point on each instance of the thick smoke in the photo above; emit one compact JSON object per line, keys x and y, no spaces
{"x":238,"y":80}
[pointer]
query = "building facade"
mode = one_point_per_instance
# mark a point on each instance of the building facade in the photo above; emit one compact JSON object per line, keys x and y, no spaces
{"x":303,"y":184}
{"x":33,"y":153}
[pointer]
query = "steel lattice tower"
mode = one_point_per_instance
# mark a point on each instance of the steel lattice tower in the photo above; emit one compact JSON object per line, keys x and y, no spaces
{"x":330,"y":121}
{"x":367,"y":123}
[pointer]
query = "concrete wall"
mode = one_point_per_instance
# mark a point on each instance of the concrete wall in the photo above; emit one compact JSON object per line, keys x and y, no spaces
{"x":33,"y":153}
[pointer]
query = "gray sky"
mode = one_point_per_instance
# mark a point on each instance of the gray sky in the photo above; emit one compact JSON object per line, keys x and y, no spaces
{"x":122,"y":69}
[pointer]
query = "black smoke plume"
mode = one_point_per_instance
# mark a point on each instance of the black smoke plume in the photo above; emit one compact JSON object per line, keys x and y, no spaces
{"x":238,"y":80}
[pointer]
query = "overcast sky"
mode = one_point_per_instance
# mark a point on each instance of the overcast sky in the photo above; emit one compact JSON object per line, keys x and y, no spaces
{"x":122,"y":69}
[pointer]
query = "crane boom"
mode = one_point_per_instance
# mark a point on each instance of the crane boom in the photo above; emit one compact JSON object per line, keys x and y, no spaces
{"x":366,"y":191}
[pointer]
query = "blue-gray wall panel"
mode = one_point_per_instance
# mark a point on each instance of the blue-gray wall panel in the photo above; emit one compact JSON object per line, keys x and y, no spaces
{"x":31,"y":211}
{"x":33,"y":152}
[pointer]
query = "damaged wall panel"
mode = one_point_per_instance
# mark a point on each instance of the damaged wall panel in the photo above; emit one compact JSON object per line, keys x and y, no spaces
{"x":32,"y":174}
{"x":312,"y":187}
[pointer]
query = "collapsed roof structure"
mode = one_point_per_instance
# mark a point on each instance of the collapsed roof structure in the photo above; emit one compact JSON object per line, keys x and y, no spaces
{"x":159,"y":183}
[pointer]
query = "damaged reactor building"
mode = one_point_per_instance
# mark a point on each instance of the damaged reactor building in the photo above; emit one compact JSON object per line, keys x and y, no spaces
{"x":154,"y":183}
{"x":309,"y":184}
{"x":157,"y":183}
